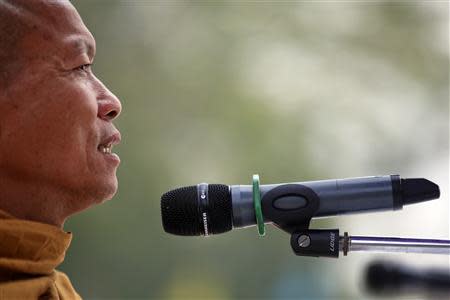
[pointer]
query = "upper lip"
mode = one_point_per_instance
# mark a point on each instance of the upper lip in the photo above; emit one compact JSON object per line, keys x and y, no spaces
{"x":112,"y":139}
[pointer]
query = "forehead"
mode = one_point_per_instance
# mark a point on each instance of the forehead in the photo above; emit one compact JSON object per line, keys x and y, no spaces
{"x":56,"y":26}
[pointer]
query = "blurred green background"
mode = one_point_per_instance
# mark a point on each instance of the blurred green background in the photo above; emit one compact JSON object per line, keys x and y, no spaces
{"x":215,"y":91}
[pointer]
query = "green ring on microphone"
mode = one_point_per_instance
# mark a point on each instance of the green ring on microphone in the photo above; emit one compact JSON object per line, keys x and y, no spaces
{"x":257,"y":205}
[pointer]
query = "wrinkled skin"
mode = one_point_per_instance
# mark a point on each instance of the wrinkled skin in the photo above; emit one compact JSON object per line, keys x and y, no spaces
{"x":54,"y":115}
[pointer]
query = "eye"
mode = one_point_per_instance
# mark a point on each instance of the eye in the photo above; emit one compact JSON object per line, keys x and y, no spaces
{"x":84,"y":68}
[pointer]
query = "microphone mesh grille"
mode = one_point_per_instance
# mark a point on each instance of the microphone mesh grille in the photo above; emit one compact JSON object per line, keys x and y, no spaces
{"x":181,"y":214}
{"x":220,"y":210}
{"x":179,"y":211}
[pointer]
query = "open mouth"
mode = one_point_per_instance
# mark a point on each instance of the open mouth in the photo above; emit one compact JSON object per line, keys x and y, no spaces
{"x":105,"y":149}
{"x":108,"y":143}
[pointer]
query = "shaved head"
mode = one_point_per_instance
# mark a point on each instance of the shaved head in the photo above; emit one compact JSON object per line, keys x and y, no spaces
{"x":19,"y":18}
{"x":12,"y":30}
{"x":56,"y":131}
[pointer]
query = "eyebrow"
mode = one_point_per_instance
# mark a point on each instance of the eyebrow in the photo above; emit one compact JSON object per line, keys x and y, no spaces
{"x":82,"y":44}
{"x":90,"y":49}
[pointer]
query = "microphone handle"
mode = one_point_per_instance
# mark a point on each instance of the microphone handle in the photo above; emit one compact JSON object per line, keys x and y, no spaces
{"x":336,"y":196}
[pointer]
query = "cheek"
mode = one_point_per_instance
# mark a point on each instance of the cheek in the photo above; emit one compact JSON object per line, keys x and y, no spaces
{"x":51,"y":127}
{"x":71,"y":124}
{"x":69,"y":116}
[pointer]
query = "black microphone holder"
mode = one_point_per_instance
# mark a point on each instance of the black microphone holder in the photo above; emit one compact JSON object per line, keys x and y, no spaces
{"x":328,"y":243}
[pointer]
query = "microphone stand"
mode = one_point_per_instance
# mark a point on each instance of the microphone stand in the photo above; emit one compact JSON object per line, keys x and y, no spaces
{"x":328,"y":243}
{"x":392,"y":244}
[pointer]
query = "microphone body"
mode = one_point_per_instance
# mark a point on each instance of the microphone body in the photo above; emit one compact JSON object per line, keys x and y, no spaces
{"x":337,"y":196}
{"x":208,"y":209}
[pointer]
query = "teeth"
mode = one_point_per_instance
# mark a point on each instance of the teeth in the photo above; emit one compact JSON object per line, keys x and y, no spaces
{"x":105,"y":149}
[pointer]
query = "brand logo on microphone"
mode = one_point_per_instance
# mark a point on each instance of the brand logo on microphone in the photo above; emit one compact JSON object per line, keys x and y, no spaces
{"x":205,"y":223}
{"x":332,"y":239}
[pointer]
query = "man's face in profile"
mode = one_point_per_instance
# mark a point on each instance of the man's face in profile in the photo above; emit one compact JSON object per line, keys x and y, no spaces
{"x":56,"y":117}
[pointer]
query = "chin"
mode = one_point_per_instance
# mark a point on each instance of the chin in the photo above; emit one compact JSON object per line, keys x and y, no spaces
{"x":110,"y":190}
{"x":87,"y":195}
{"x":103,"y":191}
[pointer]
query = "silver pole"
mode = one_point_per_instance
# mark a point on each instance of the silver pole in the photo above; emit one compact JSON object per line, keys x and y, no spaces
{"x":393,"y":244}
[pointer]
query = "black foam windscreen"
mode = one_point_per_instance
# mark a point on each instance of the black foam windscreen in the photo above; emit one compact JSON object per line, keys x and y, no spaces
{"x":181,"y":213}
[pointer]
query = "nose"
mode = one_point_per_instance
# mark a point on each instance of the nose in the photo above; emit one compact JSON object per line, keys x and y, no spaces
{"x":109,"y":106}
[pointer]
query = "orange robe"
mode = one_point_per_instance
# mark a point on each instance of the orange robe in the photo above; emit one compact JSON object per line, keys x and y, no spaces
{"x":29,"y":253}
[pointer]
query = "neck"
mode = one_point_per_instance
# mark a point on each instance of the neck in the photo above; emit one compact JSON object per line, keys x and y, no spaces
{"x":34,"y":202}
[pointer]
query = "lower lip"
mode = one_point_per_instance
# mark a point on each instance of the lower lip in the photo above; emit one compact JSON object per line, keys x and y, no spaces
{"x":112,"y":157}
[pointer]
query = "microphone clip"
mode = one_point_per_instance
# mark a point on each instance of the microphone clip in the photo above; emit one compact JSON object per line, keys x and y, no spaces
{"x":291,"y":208}
{"x":316,"y":242}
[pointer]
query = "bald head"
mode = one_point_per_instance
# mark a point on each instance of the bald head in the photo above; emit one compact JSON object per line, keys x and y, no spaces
{"x":12,"y":30}
{"x":26,"y":24}
{"x":56,"y":131}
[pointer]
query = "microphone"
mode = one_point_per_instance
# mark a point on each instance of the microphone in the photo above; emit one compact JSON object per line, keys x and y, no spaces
{"x":384,"y":277}
{"x":208,"y":209}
